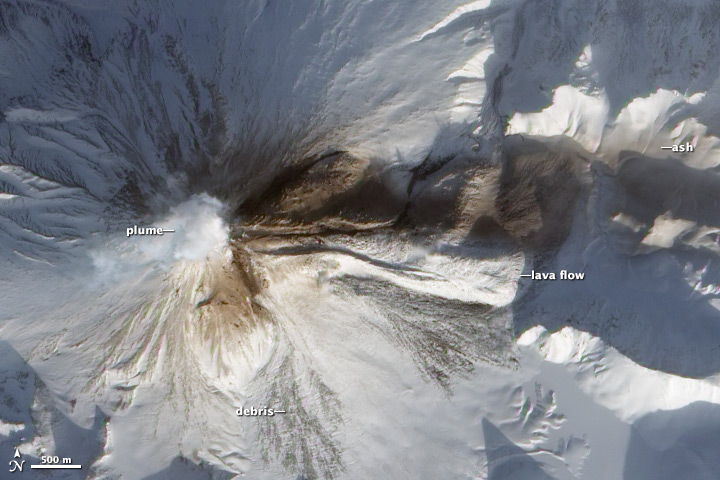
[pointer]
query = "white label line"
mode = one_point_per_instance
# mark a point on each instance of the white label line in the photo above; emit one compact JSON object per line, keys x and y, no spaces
{"x":279,"y":411}
{"x":167,"y":230}
{"x":56,"y":466}
{"x":666,"y":148}
{"x":527,"y":275}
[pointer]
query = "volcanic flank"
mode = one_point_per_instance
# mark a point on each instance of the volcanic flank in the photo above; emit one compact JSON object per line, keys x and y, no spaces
{"x":428,"y":255}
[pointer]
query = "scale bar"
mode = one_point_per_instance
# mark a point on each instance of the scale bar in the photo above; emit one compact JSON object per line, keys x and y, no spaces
{"x":56,"y":466}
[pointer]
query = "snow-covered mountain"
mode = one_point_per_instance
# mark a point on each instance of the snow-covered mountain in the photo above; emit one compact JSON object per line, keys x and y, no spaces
{"x":366,"y":201}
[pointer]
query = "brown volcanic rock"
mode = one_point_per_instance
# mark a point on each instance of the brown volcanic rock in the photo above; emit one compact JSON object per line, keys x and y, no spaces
{"x":340,"y":191}
{"x":529,"y":199}
{"x":538,"y":189}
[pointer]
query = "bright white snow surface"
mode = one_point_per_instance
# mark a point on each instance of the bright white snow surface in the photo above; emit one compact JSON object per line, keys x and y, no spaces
{"x":398,"y":349}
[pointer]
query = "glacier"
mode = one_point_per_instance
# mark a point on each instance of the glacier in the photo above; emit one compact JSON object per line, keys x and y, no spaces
{"x":357,"y":191}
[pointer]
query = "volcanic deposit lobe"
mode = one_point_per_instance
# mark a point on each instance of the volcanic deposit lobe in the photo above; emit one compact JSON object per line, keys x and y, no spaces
{"x":344,"y":240}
